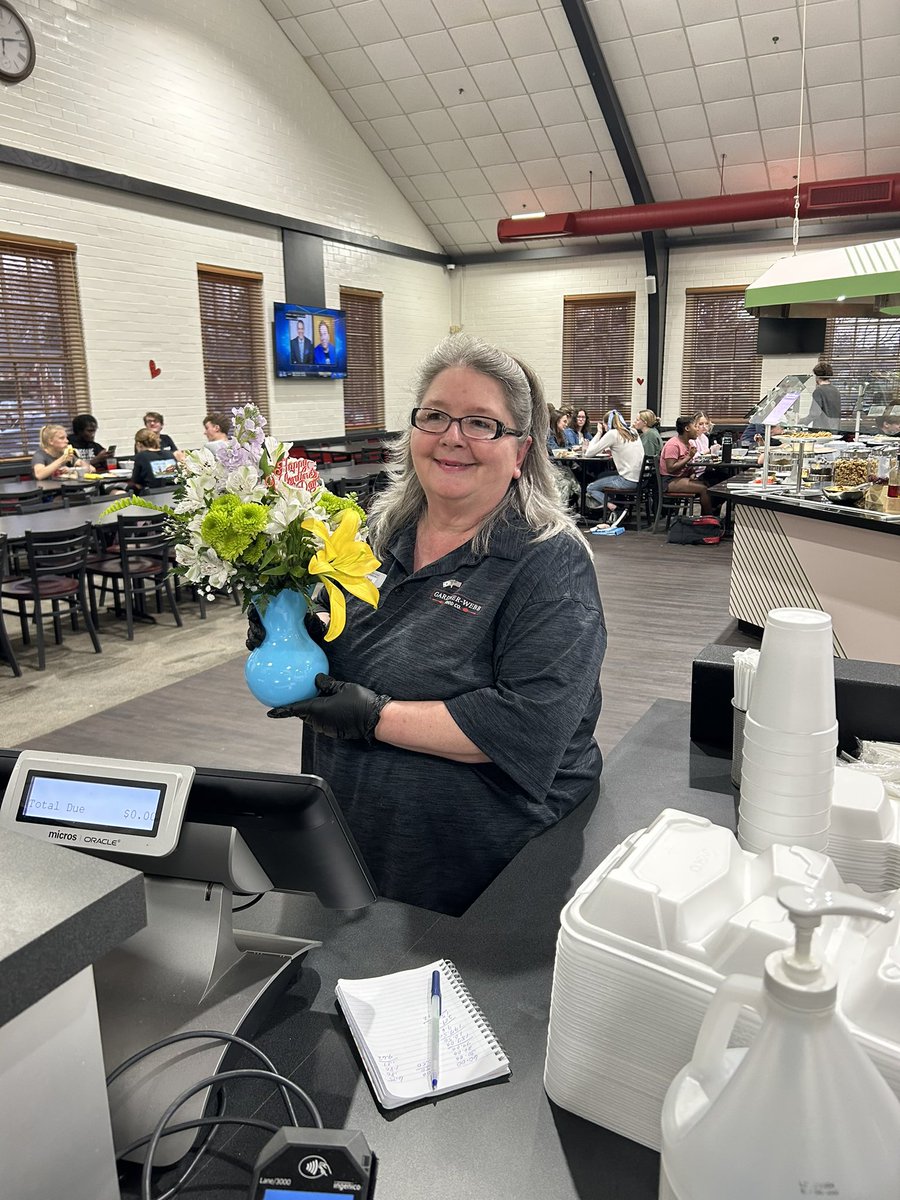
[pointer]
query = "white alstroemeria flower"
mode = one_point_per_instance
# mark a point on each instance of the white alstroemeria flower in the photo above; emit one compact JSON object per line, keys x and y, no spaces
{"x":287,"y":509}
{"x":190,"y":558}
{"x":275,"y":450}
{"x":246,"y":484}
{"x":217,"y":572}
{"x":194,"y":526}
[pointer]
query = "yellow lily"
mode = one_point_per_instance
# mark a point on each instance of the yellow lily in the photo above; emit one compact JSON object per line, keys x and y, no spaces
{"x":345,"y":561}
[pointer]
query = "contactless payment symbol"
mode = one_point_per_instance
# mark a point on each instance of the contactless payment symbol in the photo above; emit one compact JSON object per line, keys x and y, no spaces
{"x":314,"y":1167}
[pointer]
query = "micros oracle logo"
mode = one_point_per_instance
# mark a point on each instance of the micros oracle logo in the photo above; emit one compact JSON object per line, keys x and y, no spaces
{"x":298,"y":473}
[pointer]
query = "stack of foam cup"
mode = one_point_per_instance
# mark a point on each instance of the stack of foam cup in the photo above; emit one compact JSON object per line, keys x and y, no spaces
{"x":790,"y":735}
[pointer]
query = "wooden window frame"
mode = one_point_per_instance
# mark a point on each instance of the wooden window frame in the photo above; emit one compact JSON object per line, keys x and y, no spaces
{"x":598,"y":352}
{"x":364,"y":385}
{"x":721,"y":370}
{"x":235,"y":367}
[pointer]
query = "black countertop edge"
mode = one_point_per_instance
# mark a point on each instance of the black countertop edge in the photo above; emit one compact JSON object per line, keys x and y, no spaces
{"x":61,"y":912}
{"x":799,"y":508}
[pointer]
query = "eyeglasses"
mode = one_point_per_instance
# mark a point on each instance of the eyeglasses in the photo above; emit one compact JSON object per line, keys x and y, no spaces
{"x":477,"y":429}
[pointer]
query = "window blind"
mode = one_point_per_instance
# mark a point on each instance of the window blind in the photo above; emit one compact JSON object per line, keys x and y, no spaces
{"x":364,"y":385}
{"x":43,"y":373}
{"x":864,"y":353}
{"x":234,"y":339}
{"x":721,"y":372}
{"x":597,"y":352}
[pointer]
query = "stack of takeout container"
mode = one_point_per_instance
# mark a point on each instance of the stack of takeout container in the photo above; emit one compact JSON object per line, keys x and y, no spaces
{"x":648,"y":938}
{"x":864,"y":840}
{"x":790,"y":735}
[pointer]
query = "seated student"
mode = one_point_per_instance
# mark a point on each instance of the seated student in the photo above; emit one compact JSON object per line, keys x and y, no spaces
{"x":646,"y":424}
{"x":627,"y":451}
{"x":55,"y":454}
{"x":560,"y":437}
{"x":154,"y":421}
{"x":82,"y":437}
{"x":216,"y":428}
{"x":153,"y":467}
{"x":755,"y":435}
{"x":582,"y":429}
{"x":676,"y":469}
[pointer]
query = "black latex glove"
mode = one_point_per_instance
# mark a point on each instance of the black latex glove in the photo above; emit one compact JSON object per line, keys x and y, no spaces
{"x":256,"y":633}
{"x":341,"y":710}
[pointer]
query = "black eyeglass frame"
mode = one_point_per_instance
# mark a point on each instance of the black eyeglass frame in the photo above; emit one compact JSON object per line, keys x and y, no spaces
{"x":502,"y":430}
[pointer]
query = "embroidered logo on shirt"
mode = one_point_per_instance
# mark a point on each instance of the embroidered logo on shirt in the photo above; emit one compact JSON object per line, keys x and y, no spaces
{"x":453,"y":600}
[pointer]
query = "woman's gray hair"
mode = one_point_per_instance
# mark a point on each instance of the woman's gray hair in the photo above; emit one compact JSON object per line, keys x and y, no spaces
{"x":534,"y":496}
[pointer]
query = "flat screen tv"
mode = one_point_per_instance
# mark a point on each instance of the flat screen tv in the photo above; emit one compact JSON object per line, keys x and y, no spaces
{"x":790,"y":335}
{"x":310,"y":343}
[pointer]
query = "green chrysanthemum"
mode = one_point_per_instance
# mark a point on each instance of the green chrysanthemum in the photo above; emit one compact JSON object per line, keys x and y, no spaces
{"x":334,"y":504}
{"x":231,"y":526}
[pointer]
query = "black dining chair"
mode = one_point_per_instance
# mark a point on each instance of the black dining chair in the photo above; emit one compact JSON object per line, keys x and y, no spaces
{"x":6,"y":650}
{"x":143,"y":558}
{"x":57,"y":570}
{"x":670,"y":503}
{"x":641,"y":498}
{"x":9,"y":504}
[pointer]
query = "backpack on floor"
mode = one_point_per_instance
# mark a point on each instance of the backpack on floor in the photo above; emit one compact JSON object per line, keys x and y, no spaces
{"x":695,"y":531}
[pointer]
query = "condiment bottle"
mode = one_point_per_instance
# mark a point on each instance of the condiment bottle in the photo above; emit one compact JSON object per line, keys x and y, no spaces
{"x":892,"y":505}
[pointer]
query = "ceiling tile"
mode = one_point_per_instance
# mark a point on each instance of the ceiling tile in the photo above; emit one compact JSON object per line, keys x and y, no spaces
{"x":558,"y":107}
{"x":831,"y":64}
{"x":574,"y":138}
{"x":326,"y":76}
{"x":633,"y":95}
{"x":696,"y":12}
{"x":505,"y":177}
{"x":557,"y":199}
{"x":490,"y":150}
{"x":673,"y":88}
{"x":667,"y":51}
{"x":611,"y":164}
{"x":834,"y":137}
{"x":651,"y":16}
{"x":485,"y":208}
{"x":464,"y":232}
{"x":724,"y":81}
{"x":834,"y":101}
{"x":778,"y":108}
{"x":621,"y":58}
{"x":664,"y":186}
{"x":655,"y":160}
{"x":599,"y":194}
{"x":588,"y":102}
{"x":396,"y":131}
{"x":390,"y":164}
{"x":473,"y":120}
{"x":510,"y":8}
{"x":498,"y":79}
{"x":732,"y":116}
{"x":574,"y":65}
{"x":298,"y":7}
{"x":369,"y":22}
{"x":755,"y":6}
{"x":882,"y":96}
{"x":424,"y":211}
{"x":376,"y":100}
{"x":761,"y":28}
{"x":739,"y":148}
{"x":414,"y":94}
{"x":692,"y":155}
{"x":327,"y":31}
{"x":601,"y":135}
{"x":645,"y":129}
{"x":879,"y":19}
{"x":413,"y":16}
{"x":682,"y":124}
{"x":775,"y":72}
{"x":442,"y":237}
{"x":416,"y":160}
{"x":452,"y":156}
{"x":393,"y":59}
{"x":560,"y":29}
{"x":451,"y":208}
{"x":698,"y":183}
{"x":525,"y":34}
{"x":348,"y":106}
{"x":367,"y":132}
{"x":833,"y":23}
{"x":880,"y":57}
{"x":881,"y":131}
{"x":579,"y":166}
{"x":469,"y":181}
{"x":352,"y":67}
{"x":530,"y":144}
{"x":884,"y":159}
{"x":432,"y":126}
{"x":277,"y":8}
{"x":782,"y":143}
{"x":544,"y":172}
{"x":455,"y":87}
{"x":294,"y":31}
{"x":841,"y":166}
{"x":516,"y":112}
{"x":542,"y":72}
{"x":489,"y":227}
{"x":434,"y":51}
{"x":434,"y":186}
{"x":408,"y":189}
{"x":478,"y":43}
{"x":716,"y":41}
{"x":461,"y":12}
{"x":608,"y":19}
{"x":783,"y":172}
{"x":623,"y":192}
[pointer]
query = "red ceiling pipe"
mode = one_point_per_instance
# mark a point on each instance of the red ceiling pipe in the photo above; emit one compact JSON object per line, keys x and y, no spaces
{"x":834,"y":198}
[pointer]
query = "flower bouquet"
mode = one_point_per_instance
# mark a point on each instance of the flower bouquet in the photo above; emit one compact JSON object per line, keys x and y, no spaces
{"x":247,"y":516}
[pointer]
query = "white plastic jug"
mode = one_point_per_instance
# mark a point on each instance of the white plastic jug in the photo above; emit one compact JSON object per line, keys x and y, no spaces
{"x":802,"y":1111}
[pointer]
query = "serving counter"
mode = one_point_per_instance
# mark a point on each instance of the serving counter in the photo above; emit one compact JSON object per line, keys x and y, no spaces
{"x":792,"y":552}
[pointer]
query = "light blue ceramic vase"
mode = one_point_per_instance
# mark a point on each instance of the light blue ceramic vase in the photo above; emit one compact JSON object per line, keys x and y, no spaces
{"x":283,"y":669}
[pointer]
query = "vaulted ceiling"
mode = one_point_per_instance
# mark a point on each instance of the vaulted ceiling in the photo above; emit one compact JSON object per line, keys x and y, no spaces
{"x":479,"y":109}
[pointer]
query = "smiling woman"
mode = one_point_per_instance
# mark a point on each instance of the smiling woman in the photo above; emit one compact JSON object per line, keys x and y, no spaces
{"x":468,"y":726}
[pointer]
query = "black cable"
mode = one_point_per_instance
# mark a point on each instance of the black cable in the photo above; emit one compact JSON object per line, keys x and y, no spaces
{"x":189,"y":1170}
{"x":212,"y":1035}
{"x":198,"y":1123}
{"x":159,"y":1131}
{"x":249,"y":904}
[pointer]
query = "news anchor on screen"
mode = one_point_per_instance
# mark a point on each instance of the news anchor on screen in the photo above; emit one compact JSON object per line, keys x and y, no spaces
{"x":301,"y":346}
{"x":325,"y":352}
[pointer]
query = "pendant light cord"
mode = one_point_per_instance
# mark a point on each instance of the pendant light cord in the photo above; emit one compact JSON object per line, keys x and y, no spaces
{"x":795,"y":232}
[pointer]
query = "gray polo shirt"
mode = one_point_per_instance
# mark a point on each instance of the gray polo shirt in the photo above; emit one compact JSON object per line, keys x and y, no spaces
{"x":512,"y":642}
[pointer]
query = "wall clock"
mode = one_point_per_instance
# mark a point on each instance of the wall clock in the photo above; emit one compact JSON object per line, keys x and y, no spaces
{"x":16,"y":46}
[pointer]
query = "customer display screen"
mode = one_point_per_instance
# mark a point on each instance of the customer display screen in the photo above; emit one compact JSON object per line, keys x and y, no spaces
{"x":92,"y":803}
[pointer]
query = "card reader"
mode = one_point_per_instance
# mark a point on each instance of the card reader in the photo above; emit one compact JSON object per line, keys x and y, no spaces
{"x":306,"y":1164}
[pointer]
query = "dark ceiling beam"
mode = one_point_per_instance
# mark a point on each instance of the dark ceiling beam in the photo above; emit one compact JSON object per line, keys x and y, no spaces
{"x":656,"y":254}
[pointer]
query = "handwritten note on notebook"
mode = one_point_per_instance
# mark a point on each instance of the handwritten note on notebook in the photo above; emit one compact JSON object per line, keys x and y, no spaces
{"x":389,"y":1019}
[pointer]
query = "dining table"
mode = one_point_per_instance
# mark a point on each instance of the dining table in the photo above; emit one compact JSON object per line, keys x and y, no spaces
{"x":16,"y":525}
{"x":585,"y":471}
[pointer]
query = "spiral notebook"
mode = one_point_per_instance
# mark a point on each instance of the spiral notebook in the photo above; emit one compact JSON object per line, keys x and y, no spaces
{"x":389,"y":1019}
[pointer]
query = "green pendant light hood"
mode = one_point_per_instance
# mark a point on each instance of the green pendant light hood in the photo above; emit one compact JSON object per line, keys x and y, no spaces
{"x":853,"y":281}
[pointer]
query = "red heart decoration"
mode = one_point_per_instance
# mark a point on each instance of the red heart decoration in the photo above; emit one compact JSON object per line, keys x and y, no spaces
{"x":640,"y":381}
{"x":155,"y":371}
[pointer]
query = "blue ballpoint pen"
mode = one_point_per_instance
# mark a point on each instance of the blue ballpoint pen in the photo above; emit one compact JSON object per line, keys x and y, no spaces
{"x":434,"y":1039}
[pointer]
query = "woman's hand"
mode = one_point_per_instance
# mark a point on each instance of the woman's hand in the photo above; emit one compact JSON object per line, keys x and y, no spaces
{"x":346,"y":711}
